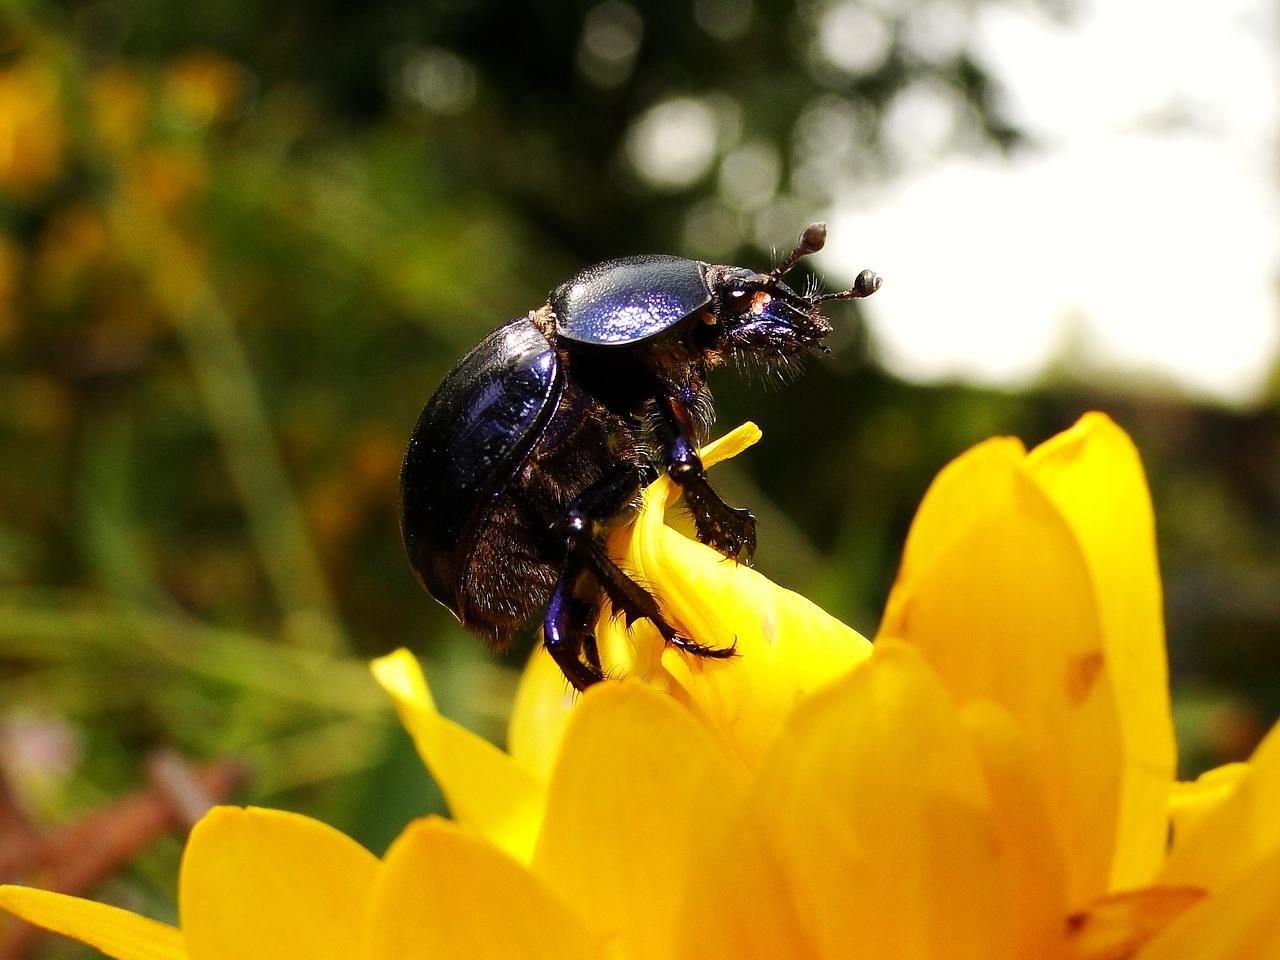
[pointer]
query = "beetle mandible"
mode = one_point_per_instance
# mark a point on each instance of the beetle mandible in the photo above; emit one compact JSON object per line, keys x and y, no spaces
{"x":540,"y":440}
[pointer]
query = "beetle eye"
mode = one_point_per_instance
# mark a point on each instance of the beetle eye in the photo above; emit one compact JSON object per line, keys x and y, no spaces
{"x":737,"y":294}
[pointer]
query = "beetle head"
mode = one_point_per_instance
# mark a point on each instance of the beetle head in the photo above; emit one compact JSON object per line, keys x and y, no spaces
{"x":759,"y":318}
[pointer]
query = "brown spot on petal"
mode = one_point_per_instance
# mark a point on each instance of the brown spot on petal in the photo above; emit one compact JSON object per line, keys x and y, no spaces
{"x":1118,"y":925}
{"x":769,"y":628}
{"x":899,"y":612}
{"x":1082,"y":674}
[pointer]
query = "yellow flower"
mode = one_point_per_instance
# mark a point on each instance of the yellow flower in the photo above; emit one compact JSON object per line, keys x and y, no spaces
{"x":995,"y":780}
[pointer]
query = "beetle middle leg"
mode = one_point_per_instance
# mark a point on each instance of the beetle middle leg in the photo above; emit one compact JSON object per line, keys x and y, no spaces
{"x":634,"y":602}
{"x":572,"y":611}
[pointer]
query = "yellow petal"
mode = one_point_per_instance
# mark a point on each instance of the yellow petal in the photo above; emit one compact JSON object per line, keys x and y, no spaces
{"x":1190,"y":802}
{"x":1027,"y":846}
{"x":1234,"y":831}
{"x":637,"y":780}
{"x":272,"y":886}
{"x":1240,"y":921}
{"x":739,"y":905}
{"x":1094,"y":476}
{"x":485,"y":788}
{"x":117,"y":933}
{"x":786,"y":647}
{"x":445,"y":893}
{"x":544,"y":700}
{"x":995,"y":590}
{"x":1117,"y":926}
{"x":880,"y":818}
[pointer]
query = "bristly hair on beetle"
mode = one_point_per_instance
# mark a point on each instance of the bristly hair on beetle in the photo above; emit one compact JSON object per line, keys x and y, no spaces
{"x":540,"y":440}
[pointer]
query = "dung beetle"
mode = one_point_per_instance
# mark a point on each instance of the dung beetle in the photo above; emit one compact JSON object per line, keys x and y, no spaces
{"x":541,"y":439}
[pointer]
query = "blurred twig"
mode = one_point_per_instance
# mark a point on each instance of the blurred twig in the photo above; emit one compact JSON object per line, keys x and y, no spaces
{"x":293,"y":717}
{"x":77,"y":857}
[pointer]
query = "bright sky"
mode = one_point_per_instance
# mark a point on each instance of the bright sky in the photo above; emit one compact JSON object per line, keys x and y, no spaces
{"x":1139,"y":237}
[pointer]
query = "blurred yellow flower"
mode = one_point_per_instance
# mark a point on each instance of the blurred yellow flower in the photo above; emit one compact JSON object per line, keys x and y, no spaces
{"x":994,"y":780}
{"x":119,"y":110}
{"x":33,"y":131}
{"x":205,"y":87}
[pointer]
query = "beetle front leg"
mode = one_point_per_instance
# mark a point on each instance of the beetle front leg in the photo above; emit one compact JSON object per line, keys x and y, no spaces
{"x":730,"y":530}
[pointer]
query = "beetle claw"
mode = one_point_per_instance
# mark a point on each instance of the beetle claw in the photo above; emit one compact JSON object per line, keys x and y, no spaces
{"x":702,"y":650}
{"x":729,"y":530}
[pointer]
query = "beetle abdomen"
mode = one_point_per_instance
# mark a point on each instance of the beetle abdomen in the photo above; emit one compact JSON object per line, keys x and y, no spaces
{"x":473,"y":435}
{"x":519,"y":549}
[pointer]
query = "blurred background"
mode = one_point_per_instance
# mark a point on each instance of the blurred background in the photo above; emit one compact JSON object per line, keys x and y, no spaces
{"x":241,"y":243}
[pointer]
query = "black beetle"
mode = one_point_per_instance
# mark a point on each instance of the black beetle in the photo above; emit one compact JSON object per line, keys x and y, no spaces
{"x":540,"y":440}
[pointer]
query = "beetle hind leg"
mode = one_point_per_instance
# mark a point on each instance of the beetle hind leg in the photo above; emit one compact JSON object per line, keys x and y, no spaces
{"x":634,"y":602}
{"x":574,"y":605}
{"x":568,"y":630}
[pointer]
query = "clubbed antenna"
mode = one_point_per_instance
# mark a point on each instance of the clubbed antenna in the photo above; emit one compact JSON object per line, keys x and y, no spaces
{"x":811,"y":241}
{"x":866,"y":283}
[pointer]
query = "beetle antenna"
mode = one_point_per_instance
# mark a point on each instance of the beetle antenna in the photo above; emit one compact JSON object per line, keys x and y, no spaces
{"x":866,"y":283}
{"x":811,"y":241}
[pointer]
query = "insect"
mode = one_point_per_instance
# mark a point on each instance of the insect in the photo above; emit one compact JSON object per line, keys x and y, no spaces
{"x":540,"y":440}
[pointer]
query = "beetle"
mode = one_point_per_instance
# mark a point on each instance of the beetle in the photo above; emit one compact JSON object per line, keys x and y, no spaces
{"x":541,"y":439}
